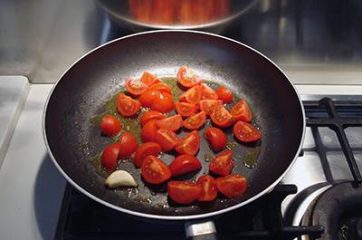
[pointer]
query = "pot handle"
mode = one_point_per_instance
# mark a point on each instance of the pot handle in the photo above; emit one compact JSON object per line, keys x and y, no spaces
{"x":200,"y":230}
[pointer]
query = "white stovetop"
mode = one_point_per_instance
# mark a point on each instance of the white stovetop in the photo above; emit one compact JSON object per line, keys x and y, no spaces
{"x":31,"y":188}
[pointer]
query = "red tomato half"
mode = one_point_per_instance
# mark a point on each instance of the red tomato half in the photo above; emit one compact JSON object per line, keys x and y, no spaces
{"x":232,"y":186}
{"x":185,"y":109}
{"x":216,"y":138}
{"x":195,"y":122}
{"x":154,"y":170}
{"x":149,"y":115}
{"x":183,"y":164}
{"x":148,"y":97}
{"x":163,"y":102}
{"x":110,"y":125}
{"x":189,"y":144}
{"x":128,"y":145}
{"x":144,"y":150}
{"x":208,"y":92}
{"x":209,"y":105}
{"x":167,"y":139}
{"x":127,"y":106}
{"x":246,"y":132}
{"x":149,"y":79}
{"x":135,"y":87}
{"x":110,"y":156}
{"x":224,"y":94}
{"x":241,"y":111}
{"x":161,"y":87}
{"x":209,"y":190}
{"x":172,"y":123}
{"x":149,"y":130}
{"x":221,"y":117}
{"x":184,"y":192}
{"x":222,"y":164}
{"x":192,"y":95}
{"x":186,"y":77}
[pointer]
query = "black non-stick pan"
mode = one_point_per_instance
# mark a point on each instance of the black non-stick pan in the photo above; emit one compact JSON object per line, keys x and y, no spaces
{"x":73,"y":140}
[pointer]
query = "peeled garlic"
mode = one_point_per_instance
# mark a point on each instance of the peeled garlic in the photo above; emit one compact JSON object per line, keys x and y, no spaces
{"x":120,"y":178}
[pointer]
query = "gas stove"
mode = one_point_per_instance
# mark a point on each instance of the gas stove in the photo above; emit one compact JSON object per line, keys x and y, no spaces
{"x":36,"y":202}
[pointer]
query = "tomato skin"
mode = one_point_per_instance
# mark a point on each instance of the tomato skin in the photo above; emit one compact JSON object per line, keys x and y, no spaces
{"x":128,"y":145}
{"x":148,"y":131}
{"x":135,"y":87}
{"x":183,"y":192}
{"x":246,"y":132}
{"x":127,"y":106}
{"x":209,"y":105}
{"x":189,"y":144}
{"x":185,"y":109}
{"x":163,"y":103}
{"x":144,"y":150}
{"x":208,"y":92}
{"x":183,"y":164}
{"x":161,"y":87}
{"x":149,"y":115}
{"x":192,"y":95}
{"x":232,"y":185}
{"x":110,"y":125}
{"x":216,"y":138}
{"x":221,"y":117}
{"x":224,"y":94}
{"x":148,"y":97}
{"x":186,"y":78}
{"x":209,"y":189}
{"x":222,"y":164}
{"x":241,"y":111}
{"x":167,"y":139}
{"x":110,"y":156}
{"x":149,"y":79}
{"x":195,"y":122}
{"x":172,"y":123}
{"x":154,"y":170}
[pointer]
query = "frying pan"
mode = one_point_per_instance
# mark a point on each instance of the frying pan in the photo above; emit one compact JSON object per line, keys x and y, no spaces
{"x":73,"y":140}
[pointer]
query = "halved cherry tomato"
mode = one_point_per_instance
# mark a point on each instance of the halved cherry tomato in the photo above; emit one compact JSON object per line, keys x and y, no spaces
{"x":224,"y":94}
{"x":144,"y":150}
{"x":186,"y":77}
{"x":149,"y":115}
{"x":184,"y":192}
{"x":192,"y":95}
{"x":127,"y":106}
{"x":209,"y":190}
{"x":185,"y":109}
{"x":128,"y":145}
{"x":221,"y":117}
{"x":163,"y":103}
{"x":216,"y":138}
{"x":232,"y":186}
{"x":172,"y":123}
{"x":161,"y":87}
{"x":183,"y":164}
{"x":167,"y":139}
{"x":246,"y":132}
{"x":209,"y":105}
{"x":110,"y":125}
{"x":110,"y":156}
{"x":148,"y":97}
{"x":241,"y":111}
{"x":149,"y":130}
{"x":135,"y":87}
{"x":195,"y":122}
{"x":222,"y":164}
{"x":149,"y":79}
{"x":154,"y":170}
{"x":208,"y":92}
{"x":189,"y":144}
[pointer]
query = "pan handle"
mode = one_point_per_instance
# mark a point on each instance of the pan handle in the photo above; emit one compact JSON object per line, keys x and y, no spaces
{"x":200,"y":230}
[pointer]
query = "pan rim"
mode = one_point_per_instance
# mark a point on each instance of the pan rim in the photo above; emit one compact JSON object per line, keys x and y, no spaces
{"x":171,"y":217}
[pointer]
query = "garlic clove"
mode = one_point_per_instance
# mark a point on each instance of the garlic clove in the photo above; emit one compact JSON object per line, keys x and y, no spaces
{"x":120,"y":178}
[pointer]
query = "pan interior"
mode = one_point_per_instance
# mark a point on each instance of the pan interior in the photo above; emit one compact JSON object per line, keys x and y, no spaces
{"x":82,"y":91}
